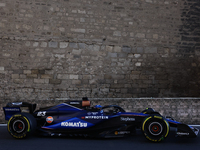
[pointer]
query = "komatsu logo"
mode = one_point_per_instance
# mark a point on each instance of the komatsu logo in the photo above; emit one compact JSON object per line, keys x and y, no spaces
{"x":74,"y":124}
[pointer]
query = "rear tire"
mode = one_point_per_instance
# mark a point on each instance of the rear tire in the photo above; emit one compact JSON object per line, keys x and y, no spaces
{"x":155,"y":128}
{"x":21,"y":125}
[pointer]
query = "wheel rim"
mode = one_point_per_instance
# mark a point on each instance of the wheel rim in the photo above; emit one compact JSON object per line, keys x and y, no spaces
{"x":18,"y":126}
{"x":155,"y":128}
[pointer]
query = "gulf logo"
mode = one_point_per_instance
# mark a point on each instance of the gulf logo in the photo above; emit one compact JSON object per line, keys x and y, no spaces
{"x":49,"y":119}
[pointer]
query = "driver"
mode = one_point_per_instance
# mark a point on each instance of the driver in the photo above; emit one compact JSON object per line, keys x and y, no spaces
{"x":98,"y":106}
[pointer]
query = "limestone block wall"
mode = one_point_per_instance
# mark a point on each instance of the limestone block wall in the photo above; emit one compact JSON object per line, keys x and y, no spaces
{"x":51,"y":49}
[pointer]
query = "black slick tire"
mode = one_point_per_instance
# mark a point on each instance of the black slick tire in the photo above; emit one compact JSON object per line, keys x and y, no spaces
{"x":155,"y":128}
{"x":21,"y":125}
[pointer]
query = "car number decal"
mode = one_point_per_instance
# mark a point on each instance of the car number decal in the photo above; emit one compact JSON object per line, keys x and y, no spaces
{"x":41,"y":113}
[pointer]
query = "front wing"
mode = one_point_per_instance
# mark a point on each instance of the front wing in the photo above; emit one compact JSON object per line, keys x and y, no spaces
{"x":184,"y":130}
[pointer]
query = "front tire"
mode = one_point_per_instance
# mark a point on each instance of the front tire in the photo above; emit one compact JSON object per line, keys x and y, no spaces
{"x":21,"y":125}
{"x":155,"y":128}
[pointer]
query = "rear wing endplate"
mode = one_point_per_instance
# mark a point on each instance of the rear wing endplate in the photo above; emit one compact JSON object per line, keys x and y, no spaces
{"x":15,"y":107}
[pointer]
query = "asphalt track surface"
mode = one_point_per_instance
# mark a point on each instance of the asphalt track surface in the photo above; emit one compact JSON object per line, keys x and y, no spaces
{"x":136,"y":142}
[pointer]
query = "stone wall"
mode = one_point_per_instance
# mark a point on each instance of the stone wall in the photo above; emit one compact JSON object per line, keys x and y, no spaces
{"x":53,"y":49}
{"x":57,"y":49}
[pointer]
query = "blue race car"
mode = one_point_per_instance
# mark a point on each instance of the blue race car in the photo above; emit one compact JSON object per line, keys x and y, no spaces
{"x":77,"y":118}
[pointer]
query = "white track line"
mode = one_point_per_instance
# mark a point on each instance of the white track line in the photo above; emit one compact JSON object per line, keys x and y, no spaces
{"x":195,"y":125}
{"x":3,"y":125}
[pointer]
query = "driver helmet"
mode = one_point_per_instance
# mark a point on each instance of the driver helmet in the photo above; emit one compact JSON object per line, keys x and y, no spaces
{"x":98,"y":106}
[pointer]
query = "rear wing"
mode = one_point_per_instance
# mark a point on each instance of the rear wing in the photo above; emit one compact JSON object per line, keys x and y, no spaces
{"x":16,"y":107}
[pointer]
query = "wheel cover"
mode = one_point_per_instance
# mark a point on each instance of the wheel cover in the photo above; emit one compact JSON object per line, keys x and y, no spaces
{"x":18,"y":126}
{"x":155,"y":128}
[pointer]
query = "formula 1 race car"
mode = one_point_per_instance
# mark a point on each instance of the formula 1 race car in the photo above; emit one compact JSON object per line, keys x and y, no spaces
{"x":77,"y":118}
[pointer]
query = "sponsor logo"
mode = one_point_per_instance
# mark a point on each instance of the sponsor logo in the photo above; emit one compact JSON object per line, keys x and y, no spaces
{"x":41,"y":113}
{"x":122,"y":132}
{"x":89,"y":113}
{"x":92,"y":113}
{"x":12,"y":109}
{"x":17,"y":103}
{"x":49,"y":119}
{"x":74,"y":103}
{"x":127,"y":119}
{"x":73,"y":124}
{"x":96,"y":117}
{"x":182,"y":133}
